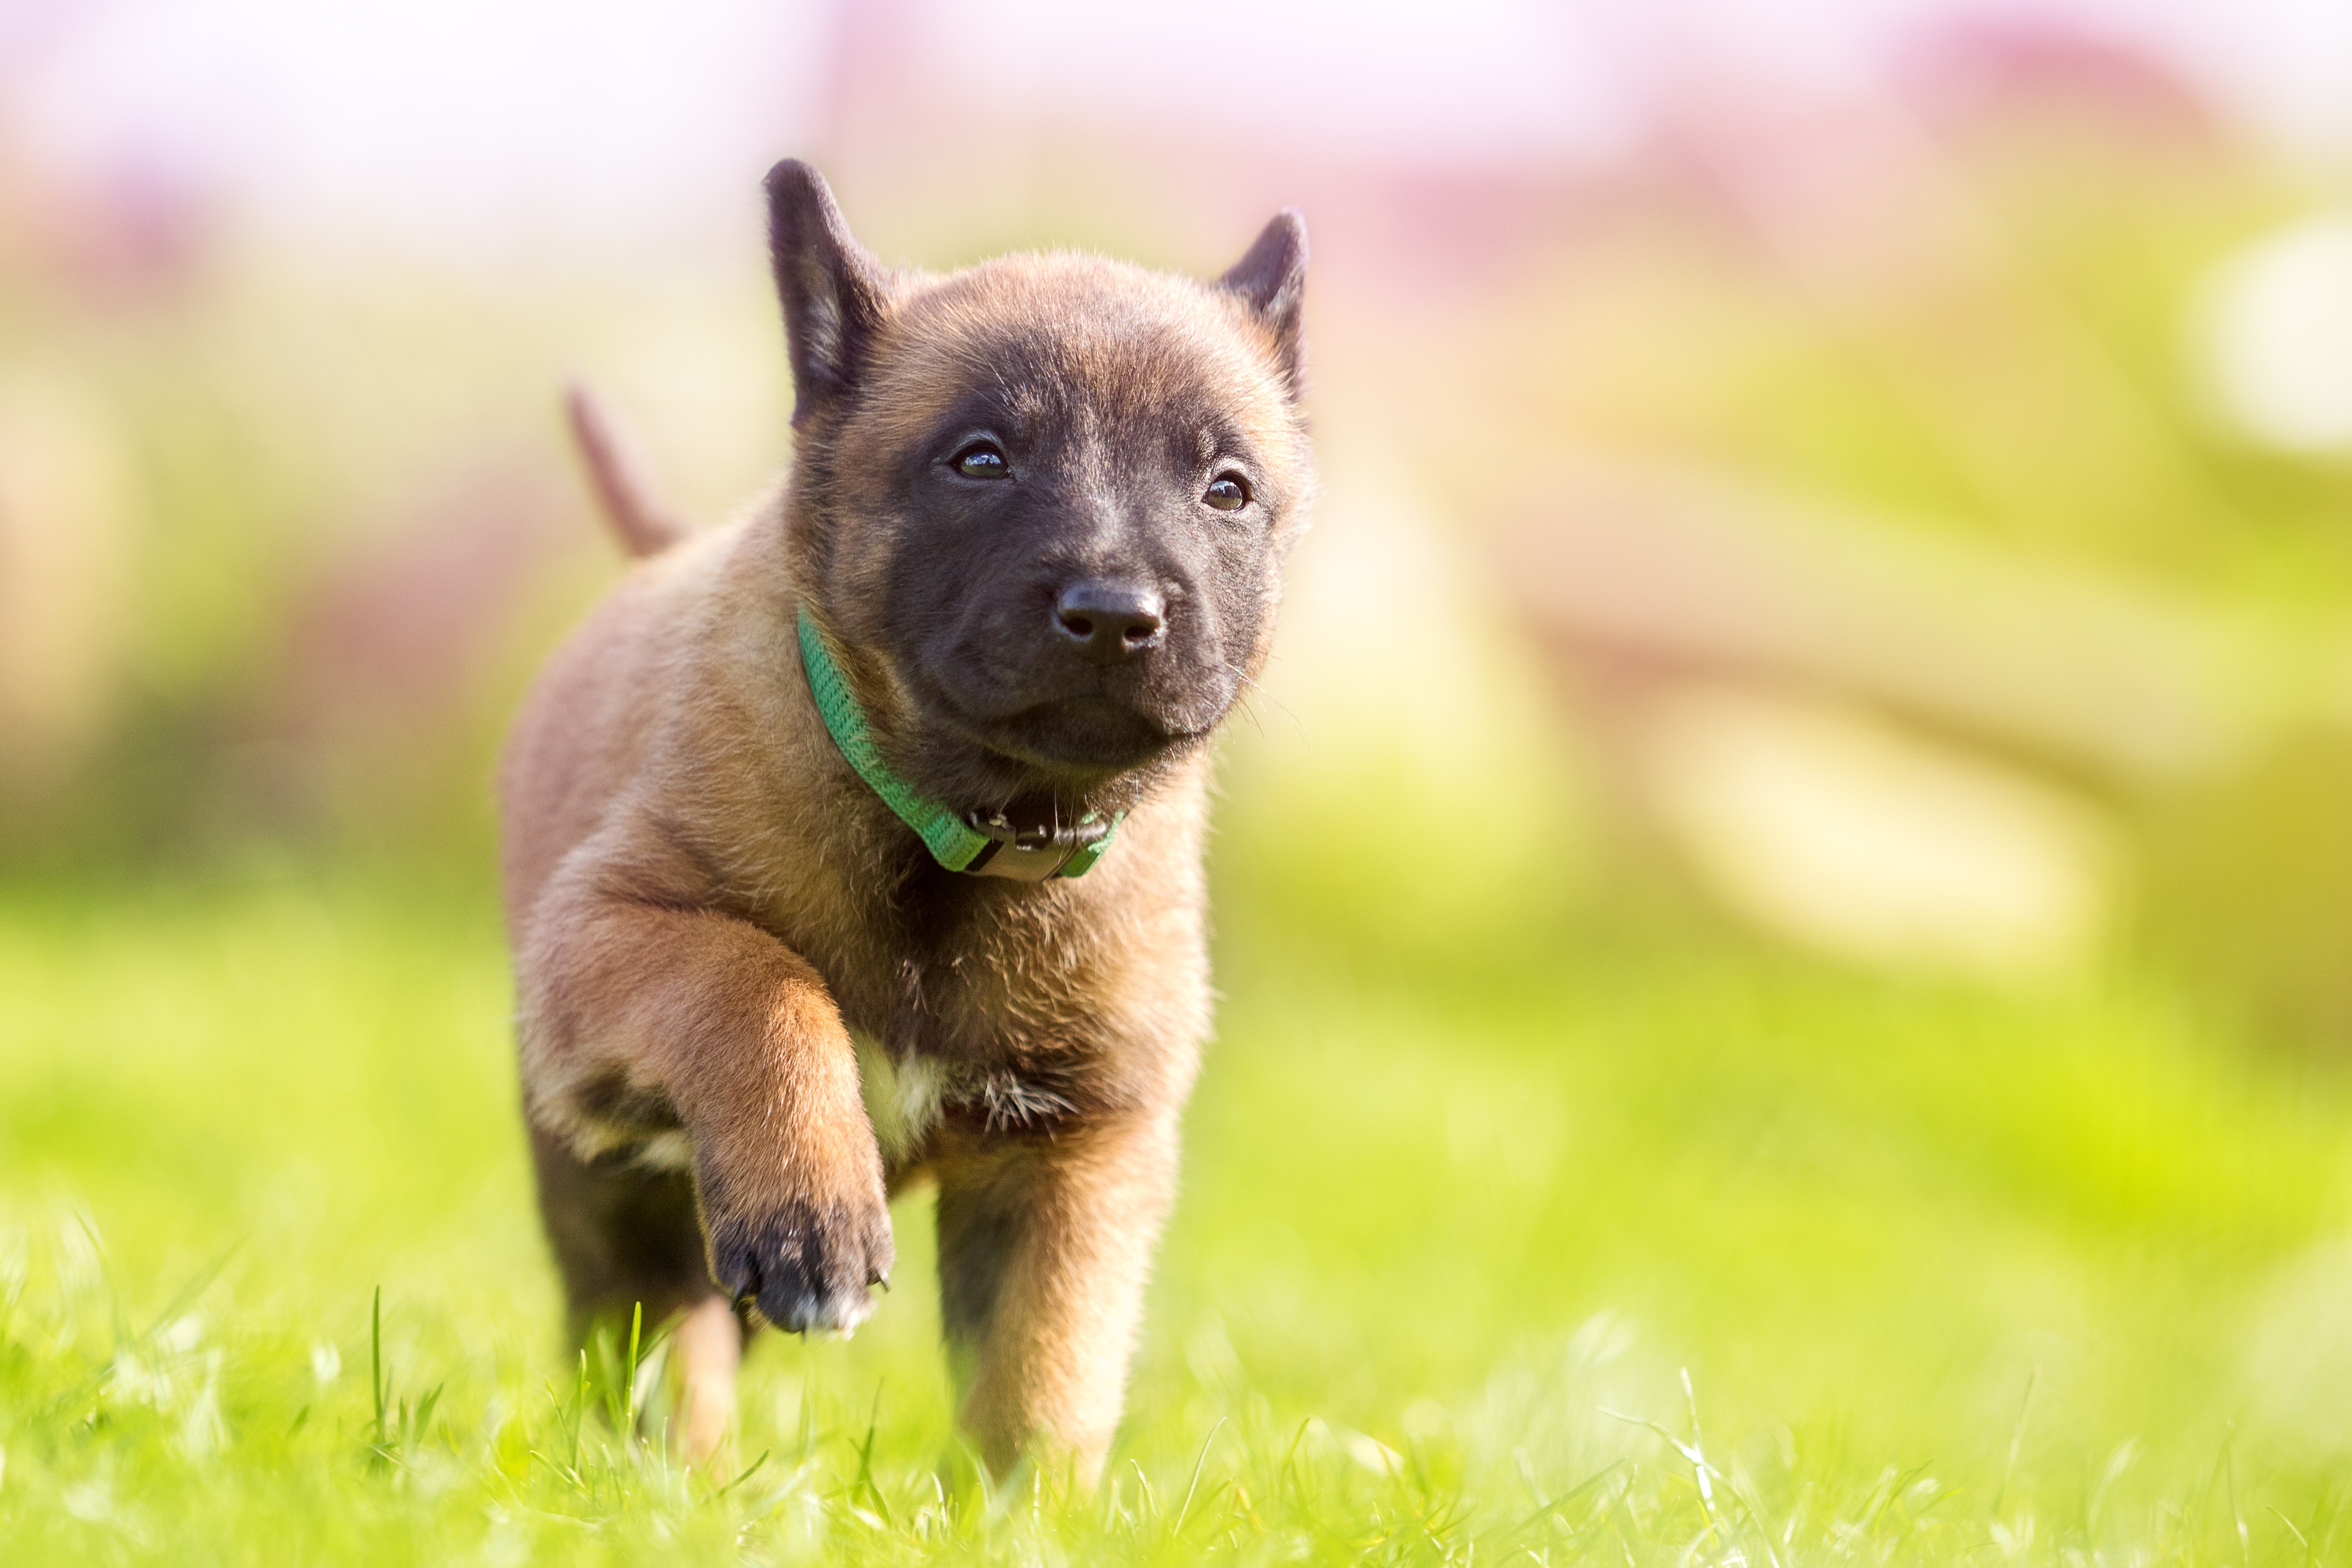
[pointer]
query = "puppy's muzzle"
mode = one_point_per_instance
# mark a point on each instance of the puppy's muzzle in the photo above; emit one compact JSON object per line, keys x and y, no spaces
{"x":1109,"y":622}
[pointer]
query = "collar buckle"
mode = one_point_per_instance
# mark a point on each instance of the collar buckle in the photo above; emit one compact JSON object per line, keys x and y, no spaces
{"x":1033,"y":853}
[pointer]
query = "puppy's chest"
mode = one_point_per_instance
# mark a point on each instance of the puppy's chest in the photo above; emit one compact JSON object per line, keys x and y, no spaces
{"x":1003,"y":1030}
{"x":910,"y":1094}
{"x":903,"y":1099}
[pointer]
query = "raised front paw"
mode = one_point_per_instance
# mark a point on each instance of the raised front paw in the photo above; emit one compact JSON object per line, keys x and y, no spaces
{"x":802,"y":1262}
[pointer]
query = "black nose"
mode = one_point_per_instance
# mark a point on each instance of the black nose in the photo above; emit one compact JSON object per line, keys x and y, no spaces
{"x":1109,"y":622}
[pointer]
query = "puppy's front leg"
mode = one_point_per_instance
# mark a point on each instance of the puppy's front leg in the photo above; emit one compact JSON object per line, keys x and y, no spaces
{"x":632,"y":1007}
{"x":1044,"y":1250}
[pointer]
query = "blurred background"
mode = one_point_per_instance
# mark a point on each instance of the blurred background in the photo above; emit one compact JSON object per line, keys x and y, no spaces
{"x":1874,"y":472}
{"x":1797,"y":829}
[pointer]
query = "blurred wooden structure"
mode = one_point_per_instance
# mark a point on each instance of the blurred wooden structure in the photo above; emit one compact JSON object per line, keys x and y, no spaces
{"x":2204,"y":751}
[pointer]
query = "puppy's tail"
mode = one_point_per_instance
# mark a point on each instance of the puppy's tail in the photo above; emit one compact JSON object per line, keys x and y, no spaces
{"x":618,"y":472}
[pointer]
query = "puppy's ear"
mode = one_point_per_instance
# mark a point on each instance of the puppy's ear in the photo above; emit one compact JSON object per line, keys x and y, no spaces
{"x":1272,"y":278}
{"x":832,"y":290}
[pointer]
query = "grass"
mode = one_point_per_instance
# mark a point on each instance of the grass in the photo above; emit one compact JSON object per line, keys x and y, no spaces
{"x":1623,"y":1250}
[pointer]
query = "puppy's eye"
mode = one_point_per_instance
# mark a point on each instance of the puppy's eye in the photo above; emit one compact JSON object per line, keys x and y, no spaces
{"x":1228,"y":493}
{"x":982,"y":460}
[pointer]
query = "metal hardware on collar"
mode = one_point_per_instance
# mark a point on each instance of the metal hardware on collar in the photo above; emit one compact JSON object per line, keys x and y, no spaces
{"x":982,"y":846}
{"x":1035,"y":854}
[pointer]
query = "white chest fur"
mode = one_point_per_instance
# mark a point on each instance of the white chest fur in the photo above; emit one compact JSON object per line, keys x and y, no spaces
{"x":902,"y":1099}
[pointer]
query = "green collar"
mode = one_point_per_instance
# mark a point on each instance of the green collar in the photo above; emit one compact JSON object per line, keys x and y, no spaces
{"x":970,"y":843}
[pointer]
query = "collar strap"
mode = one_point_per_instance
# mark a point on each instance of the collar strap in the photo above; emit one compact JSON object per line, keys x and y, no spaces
{"x":978,"y":845}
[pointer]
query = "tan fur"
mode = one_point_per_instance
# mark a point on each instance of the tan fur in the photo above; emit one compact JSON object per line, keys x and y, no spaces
{"x":617,"y":471}
{"x":699,"y":900}
{"x":708,"y":1346}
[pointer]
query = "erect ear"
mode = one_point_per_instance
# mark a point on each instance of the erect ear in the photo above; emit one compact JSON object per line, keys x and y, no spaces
{"x":1272,"y":278}
{"x":831,"y":288}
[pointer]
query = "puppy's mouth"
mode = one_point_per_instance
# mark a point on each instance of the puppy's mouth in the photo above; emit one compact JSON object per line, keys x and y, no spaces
{"x":1076,"y":735}
{"x":1082,"y":736}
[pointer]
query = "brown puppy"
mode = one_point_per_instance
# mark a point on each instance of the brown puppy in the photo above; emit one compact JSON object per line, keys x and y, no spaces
{"x":1033,"y":535}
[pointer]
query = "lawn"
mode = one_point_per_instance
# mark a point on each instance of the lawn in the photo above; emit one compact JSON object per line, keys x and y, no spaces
{"x":1621,"y":1247}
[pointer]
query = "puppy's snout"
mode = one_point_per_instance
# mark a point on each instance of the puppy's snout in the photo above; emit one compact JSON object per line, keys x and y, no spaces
{"x":1109,"y":623}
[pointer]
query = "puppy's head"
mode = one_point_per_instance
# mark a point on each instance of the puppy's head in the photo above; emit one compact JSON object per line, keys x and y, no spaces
{"x":1041,"y":504}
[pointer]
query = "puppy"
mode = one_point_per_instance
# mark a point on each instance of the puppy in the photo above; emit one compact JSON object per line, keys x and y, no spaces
{"x":859,"y":842}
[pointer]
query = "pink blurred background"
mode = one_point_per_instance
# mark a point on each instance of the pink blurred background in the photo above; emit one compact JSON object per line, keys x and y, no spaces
{"x":1874,"y":472}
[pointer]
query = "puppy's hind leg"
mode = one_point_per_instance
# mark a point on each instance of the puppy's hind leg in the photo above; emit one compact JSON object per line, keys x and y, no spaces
{"x":625,"y":1237}
{"x":707,"y":1344}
